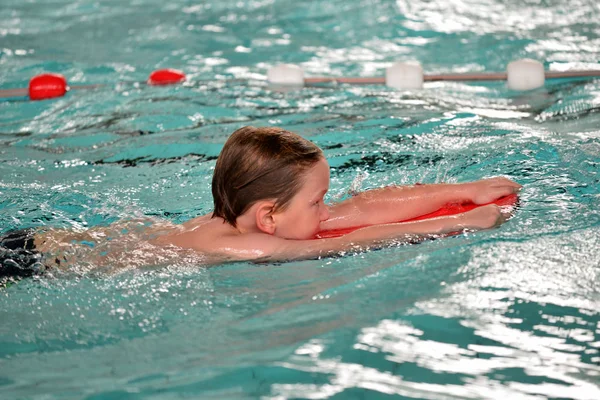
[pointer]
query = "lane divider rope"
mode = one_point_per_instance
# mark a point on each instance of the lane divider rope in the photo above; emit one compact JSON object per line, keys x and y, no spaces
{"x":524,"y":74}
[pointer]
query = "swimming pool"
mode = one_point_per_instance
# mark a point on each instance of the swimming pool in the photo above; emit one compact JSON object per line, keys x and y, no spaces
{"x":507,"y":313}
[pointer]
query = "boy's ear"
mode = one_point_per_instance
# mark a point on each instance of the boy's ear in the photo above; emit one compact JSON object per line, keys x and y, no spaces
{"x":264,"y":217}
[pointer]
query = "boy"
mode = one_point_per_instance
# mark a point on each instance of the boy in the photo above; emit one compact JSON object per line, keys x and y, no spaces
{"x":268,"y":189}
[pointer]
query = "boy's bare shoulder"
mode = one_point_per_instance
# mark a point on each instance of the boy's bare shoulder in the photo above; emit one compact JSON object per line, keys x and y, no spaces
{"x":220,"y":241}
{"x":199,"y":233}
{"x":216,"y":239}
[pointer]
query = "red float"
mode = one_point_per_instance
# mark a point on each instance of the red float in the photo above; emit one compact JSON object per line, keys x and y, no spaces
{"x":47,"y":86}
{"x":449,"y":209}
{"x":166,"y":77}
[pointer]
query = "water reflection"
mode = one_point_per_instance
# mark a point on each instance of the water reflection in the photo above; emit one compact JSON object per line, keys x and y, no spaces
{"x":518,"y":320}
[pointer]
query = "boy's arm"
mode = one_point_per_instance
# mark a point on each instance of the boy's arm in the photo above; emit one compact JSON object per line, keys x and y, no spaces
{"x":263,"y":247}
{"x":398,"y":203}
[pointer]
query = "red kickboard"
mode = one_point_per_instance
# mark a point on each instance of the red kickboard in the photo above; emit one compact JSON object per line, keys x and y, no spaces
{"x":448,"y":209}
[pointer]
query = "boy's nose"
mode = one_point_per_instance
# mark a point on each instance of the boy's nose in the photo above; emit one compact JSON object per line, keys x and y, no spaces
{"x":324,"y":213}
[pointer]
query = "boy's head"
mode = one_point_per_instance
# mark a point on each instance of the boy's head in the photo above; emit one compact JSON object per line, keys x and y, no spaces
{"x":259,"y":164}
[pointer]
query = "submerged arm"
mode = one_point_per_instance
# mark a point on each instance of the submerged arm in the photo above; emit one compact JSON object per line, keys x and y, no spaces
{"x":398,"y":203}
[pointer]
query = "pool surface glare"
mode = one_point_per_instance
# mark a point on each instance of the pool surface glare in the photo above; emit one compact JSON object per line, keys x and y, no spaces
{"x":510,"y":313}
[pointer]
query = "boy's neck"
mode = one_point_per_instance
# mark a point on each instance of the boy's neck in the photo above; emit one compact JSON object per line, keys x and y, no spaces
{"x":246,"y":223}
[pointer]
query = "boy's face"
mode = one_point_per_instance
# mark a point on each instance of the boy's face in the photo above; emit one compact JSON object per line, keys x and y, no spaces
{"x":306,"y":211}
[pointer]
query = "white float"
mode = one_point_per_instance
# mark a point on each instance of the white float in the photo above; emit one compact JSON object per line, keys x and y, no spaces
{"x":404,"y":75}
{"x":525,"y":74}
{"x":286,"y":74}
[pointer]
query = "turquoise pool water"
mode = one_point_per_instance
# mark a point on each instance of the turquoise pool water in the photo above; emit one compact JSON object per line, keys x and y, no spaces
{"x":508,"y":313}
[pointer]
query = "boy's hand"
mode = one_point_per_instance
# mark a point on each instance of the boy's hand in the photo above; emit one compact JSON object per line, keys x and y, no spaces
{"x":488,"y":190}
{"x":484,"y":217}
